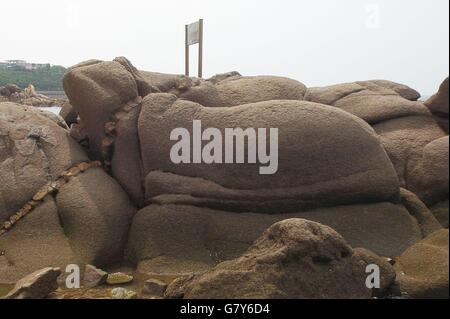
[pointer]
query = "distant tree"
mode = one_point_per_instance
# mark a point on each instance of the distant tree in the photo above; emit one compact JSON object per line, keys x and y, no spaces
{"x":43,"y":79}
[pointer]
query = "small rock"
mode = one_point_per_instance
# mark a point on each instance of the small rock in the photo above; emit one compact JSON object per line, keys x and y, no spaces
{"x":84,"y":166}
{"x":94,"y":277}
{"x":154,"y":287}
{"x":40,"y":195}
{"x":37,"y":285}
{"x":118,"y":278}
{"x":122,"y":293}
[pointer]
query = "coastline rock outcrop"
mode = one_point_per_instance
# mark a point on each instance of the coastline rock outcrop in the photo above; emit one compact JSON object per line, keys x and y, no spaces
{"x":422,"y":270}
{"x":439,"y":105}
{"x":177,"y":239}
{"x":366,"y":160}
{"x":27,"y":96}
{"x":75,"y":212}
{"x":294,"y":258}
{"x":310,"y":174}
{"x":416,"y":145}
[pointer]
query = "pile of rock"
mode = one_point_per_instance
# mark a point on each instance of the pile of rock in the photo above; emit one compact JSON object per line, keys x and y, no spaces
{"x":366,"y":159}
{"x":28,"y":96}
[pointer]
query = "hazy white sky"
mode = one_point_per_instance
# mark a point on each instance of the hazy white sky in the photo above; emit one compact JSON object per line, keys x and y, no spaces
{"x":318,"y":42}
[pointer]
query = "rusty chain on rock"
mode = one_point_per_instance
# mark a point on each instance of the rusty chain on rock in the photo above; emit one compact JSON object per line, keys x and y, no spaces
{"x":50,"y":188}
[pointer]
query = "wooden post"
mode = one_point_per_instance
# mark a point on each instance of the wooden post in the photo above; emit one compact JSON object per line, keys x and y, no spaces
{"x":200,"y":48}
{"x":186,"y":51}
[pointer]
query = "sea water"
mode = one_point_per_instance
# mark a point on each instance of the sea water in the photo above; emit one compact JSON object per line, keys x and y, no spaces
{"x":53,"y":109}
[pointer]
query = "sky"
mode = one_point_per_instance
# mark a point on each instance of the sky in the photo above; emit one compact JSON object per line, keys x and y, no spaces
{"x":318,"y":42}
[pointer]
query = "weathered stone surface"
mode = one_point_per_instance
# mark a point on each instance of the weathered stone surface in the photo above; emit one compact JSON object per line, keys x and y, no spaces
{"x":154,"y":287}
{"x":429,"y":177}
{"x":33,"y":149}
{"x":404,"y":139}
{"x":439,"y":105}
{"x":68,"y":113}
{"x":37,"y":285}
{"x":37,"y":241}
{"x":118,"y":278}
{"x":126,"y":162}
{"x":310,"y":174}
{"x":54,"y":117}
{"x":373,"y":101}
{"x":244,"y":90}
{"x":422,"y":270}
{"x":425,"y":218}
{"x":93,"y":276}
{"x":405,"y":125}
{"x":294,"y":258}
{"x":440,"y":211}
{"x":174,"y":239}
{"x":97,"y":90}
{"x":96,"y":214}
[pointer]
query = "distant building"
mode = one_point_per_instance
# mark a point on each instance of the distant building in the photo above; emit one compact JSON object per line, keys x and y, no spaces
{"x":22,"y":64}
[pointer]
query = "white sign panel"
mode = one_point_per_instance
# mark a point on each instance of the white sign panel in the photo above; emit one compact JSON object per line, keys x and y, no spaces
{"x":193,"y":33}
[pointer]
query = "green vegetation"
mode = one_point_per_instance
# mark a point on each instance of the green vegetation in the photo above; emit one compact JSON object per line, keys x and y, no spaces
{"x":43,"y":79}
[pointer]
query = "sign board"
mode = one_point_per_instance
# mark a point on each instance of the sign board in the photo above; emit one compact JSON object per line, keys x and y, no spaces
{"x":194,"y":35}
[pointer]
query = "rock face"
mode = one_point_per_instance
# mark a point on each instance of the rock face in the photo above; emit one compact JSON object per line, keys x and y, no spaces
{"x":126,"y":133}
{"x":175,"y":239}
{"x":439,"y":105}
{"x":425,"y":218}
{"x":93,"y":276}
{"x":110,"y":87}
{"x":294,"y":258}
{"x":154,"y":287}
{"x":422,"y":270}
{"x":440,"y":211}
{"x":37,"y":285}
{"x":68,"y":114}
{"x":343,"y":153}
{"x":244,"y":90}
{"x":429,"y":176}
{"x":96,"y":215}
{"x":86,"y":222}
{"x":309,"y":173}
{"x":33,"y":149}
{"x":405,"y":126}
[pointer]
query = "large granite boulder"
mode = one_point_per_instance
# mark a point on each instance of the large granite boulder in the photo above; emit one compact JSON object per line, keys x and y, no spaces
{"x":57,"y":208}
{"x":97,"y":90}
{"x":439,"y":105}
{"x":422,"y":270}
{"x":244,"y":90}
{"x":429,"y":176}
{"x":96,"y":214}
{"x":294,"y":258}
{"x":36,"y":242}
{"x":176,"y":239}
{"x":320,"y":162}
{"x":405,"y":126}
{"x":33,"y":150}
